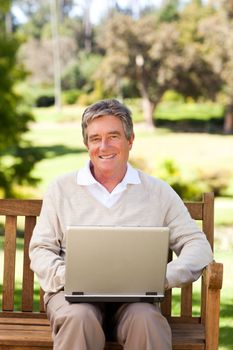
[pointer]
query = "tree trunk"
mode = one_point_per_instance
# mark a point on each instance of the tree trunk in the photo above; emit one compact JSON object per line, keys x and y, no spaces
{"x":147,"y":105}
{"x":56,"y":53}
{"x":8,"y":23}
{"x":148,"y":110}
{"x":228,"y":120}
{"x":87,"y":27}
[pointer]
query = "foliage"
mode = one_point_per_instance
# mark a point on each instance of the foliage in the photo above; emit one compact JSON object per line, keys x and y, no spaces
{"x":41,"y":71}
{"x":217,"y":32}
{"x":45,"y":101}
{"x":97,"y":94}
{"x":174,"y":110}
{"x":187,"y":189}
{"x":136,"y":51}
{"x":217,"y":181}
{"x":4,"y":8}
{"x":70,"y":97}
{"x":16,"y":159}
{"x":79,"y":74}
{"x":192,"y":187}
{"x":172,"y":96}
{"x":38,"y":15}
{"x":153,"y":55}
{"x":169,"y":11}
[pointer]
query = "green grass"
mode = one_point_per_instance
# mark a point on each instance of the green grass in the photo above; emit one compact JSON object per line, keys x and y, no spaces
{"x":67,"y":114}
{"x":193,"y":153}
{"x":223,"y":211}
{"x":226,"y":313}
{"x":166,"y":110}
{"x":64,"y":151}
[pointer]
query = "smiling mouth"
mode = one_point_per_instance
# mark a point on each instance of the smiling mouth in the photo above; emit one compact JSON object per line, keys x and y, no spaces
{"x":110,"y":156}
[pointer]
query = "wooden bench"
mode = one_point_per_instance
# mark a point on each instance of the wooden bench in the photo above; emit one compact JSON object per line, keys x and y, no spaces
{"x":28,"y":328}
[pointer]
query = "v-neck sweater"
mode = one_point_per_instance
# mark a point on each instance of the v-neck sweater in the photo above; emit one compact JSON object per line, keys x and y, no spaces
{"x":151,"y":203}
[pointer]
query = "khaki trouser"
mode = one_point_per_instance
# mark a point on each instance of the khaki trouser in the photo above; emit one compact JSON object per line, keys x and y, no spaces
{"x":137,"y":326}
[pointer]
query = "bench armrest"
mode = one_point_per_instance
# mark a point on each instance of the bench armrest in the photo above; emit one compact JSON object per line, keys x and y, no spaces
{"x":212,"y":278}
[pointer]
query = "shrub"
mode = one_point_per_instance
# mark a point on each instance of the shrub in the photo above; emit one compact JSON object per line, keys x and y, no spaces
{"x":172,"y":96}
{"x":217,"y":181}
{"x":95,"y":95}
{"x":70,"y":97}
{"x":186,"y":188}
{"x":45,"y":101}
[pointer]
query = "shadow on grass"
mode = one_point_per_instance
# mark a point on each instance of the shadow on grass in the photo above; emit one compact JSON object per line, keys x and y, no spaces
{"x":58,"y":150}
{"x":190,"y":125}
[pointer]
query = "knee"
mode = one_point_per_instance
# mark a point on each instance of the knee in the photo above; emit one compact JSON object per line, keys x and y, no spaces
{"x":79,"y":314}
{"x":145,"y":316}
{"x":143,"y":312}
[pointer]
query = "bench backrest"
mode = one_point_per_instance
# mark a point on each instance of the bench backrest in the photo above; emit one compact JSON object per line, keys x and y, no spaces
{"x":13,"y":209}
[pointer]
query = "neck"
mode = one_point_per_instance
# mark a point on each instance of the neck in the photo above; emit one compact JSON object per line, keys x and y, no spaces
{"x":108,"y":180}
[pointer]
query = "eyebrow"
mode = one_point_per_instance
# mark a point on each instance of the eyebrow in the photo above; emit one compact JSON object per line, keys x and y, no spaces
{"x":114,"y":132}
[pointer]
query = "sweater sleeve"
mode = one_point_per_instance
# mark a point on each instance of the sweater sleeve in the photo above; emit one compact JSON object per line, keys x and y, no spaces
{"x":45,"y":250}
{"x":189,"y":243}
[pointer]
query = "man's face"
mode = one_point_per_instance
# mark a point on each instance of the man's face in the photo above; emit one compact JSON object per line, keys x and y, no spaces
{"x":108,"y":146}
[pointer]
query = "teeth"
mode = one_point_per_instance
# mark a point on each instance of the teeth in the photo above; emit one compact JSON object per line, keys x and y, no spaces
{"x":106,"y":157}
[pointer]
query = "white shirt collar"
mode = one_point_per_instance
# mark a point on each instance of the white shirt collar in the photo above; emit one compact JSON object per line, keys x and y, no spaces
{"x":85,"y":177}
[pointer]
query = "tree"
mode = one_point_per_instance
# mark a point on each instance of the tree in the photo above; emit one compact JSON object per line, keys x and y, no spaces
{"x":47,"y":47}
{"x":217,"y":32}
{"x":152,"y":54}
{"x":16,"y":157}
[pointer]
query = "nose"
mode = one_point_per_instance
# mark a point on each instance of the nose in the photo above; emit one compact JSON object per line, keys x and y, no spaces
{"x":104,"y":144}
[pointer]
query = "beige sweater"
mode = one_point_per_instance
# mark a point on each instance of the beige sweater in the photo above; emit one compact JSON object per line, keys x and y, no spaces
{"x":151,"y":203}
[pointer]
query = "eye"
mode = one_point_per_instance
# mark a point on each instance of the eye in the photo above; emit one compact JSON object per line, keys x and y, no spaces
{"x":94,"y":139}
{"x":114,"y":136}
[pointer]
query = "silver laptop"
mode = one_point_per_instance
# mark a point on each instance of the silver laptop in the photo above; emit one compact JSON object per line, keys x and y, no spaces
{"x":125,"y":264}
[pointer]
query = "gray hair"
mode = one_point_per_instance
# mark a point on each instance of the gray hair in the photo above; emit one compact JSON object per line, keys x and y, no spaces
{"x":109,"y":107}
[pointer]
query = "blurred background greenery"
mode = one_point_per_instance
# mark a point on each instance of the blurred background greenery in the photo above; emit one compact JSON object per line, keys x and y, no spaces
{"x":170,"y":61}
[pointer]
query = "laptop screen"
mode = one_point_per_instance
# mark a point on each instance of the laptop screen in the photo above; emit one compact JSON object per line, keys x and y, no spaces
{"x":119,"y":261}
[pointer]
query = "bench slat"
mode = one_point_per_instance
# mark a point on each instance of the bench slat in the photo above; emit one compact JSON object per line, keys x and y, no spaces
{"x":186,"y":300}
{"x":28,"y":275}
{"x":9,"y":263}
{"x":20,"y":337}
{"x":24,"y":321}
{"x":166,"y":304}
{"x":42,"y":300}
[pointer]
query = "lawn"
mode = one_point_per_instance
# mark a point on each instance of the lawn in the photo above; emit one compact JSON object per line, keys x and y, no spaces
{"x":64,"y":149}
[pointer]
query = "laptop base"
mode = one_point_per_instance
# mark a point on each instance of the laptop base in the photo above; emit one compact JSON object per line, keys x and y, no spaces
{"x":113,"y":299}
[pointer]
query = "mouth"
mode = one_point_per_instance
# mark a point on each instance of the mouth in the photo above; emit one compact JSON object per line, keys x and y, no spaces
{"x":109,"y":156}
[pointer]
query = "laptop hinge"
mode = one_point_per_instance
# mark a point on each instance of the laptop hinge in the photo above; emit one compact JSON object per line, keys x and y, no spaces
{"x":77,"y":293}
{"x":151,"y":293}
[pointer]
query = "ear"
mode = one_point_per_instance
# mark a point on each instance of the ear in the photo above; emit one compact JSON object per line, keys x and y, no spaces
{"x":131,"y":140}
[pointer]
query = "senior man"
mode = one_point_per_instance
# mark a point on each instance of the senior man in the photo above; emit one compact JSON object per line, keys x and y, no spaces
{"x":109,"y":191}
